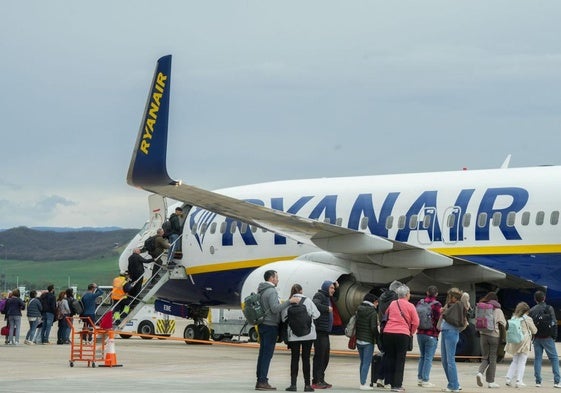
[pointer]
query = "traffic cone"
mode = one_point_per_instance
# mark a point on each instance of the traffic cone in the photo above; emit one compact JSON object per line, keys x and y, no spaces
{"x":110,"y":355}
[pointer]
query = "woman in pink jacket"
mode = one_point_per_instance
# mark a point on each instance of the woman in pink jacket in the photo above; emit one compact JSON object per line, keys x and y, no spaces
{"x":402,"y":322}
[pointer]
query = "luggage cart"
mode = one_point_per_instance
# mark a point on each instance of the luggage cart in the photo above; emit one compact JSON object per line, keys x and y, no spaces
{"x":87,"y":342}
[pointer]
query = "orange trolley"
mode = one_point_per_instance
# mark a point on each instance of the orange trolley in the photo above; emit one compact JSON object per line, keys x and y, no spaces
{"x":88,"y":342}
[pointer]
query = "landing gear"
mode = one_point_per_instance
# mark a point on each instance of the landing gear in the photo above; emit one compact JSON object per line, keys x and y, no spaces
{"x":146,"y":327}
{"x":197,"y":332}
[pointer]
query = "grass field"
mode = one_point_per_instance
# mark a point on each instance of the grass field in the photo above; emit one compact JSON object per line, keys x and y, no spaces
{"x":38,"y":275}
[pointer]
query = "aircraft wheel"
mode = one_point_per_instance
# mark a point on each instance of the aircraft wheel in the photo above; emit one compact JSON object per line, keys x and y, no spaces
{"x":202,"y":332}
{"x":146,"y":327}
{"x":189,"y":332}
{"x":217,"y":337}
{"x":253,"y":336}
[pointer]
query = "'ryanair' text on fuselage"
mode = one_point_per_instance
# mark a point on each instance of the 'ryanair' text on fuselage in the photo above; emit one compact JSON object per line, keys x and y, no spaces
{"x":424,"y":205}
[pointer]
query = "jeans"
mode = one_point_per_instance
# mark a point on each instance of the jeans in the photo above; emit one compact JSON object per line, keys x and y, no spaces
{"x":267,"y":341}
{"x":365,"y":353}
{"x":547,"y":344}
{"x":427,"y":348}
{"x":48,"y":318}
{"x":449,"y":340}
{"x":14,"y":321}
{"x":33,"y":322}
{"x":172,"y":241}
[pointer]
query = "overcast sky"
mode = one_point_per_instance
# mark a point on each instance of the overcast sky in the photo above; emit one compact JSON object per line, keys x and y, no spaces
{"x":267,"y":91}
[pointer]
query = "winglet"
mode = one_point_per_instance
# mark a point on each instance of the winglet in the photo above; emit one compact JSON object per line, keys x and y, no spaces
{"x":148,"y":162}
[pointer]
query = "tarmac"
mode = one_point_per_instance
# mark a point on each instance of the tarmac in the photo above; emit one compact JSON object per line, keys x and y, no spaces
{"x":169,"y":365}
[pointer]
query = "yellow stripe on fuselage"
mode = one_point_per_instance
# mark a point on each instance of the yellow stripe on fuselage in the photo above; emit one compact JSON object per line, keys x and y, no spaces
{"x":500,"y":250}
{"x":220,"y":267}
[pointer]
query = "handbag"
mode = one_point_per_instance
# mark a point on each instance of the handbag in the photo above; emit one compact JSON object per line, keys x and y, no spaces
{"x":352,"y":342}
{"x":5,"y":331}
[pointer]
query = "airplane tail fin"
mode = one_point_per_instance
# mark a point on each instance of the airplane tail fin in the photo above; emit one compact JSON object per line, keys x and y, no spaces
{"x":148,"y":162}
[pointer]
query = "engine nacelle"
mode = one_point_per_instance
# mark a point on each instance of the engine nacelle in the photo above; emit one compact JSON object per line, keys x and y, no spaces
{"x":310,"y":275}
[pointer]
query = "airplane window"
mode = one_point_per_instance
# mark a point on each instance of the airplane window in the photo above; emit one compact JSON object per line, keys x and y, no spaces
{"x":482,"y":220}
{"x":525,"y":218}
{"x":466,"y":220}
{"x":413,"y":221}
{"x":364,"y":223}
{"x":212,"y":228}
{"x":510,"y":218}
{"x":233,"y":227}
{"x":243,"y":228}
{"x":540,"y":218}
{"x":194,"y":229}
{"x":253,"y":228}
{"x":223,"y":227}
{"x":204,"y":226}
{"x":339,"y":221}
{"x":389,"y":222}
{"x":401,"y":222}
{"x":497,"y":218}
{"x":426,"y":221}
{"x":554,"y":219}
{"x":451,"y":220}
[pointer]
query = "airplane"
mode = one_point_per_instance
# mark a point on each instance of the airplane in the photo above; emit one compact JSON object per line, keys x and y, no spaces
{"x":479,"y":230}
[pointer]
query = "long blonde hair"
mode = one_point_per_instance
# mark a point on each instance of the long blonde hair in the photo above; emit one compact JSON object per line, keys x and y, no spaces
{"x":521,"y":309}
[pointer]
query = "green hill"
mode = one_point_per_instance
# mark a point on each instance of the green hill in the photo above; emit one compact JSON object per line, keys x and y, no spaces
{"x":35,"y":259}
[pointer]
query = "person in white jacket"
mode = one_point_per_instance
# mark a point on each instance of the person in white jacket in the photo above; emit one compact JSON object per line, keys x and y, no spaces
{"x":300,"y":344}
{"x":520,"y":351}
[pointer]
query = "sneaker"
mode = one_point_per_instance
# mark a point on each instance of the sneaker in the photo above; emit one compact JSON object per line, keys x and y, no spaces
{"x":427,"y":384}
{"x":479,"y":378}
{"x":308,"y":388}
{"x":27,"y":342}
{"x":557,"y":385}
{"x":264,"y":386}
{"x":327,"y":385}
{"x":507,"y":381}
{"x":520,"y":384}
{"x":388,"y":386}
{"x":451,"y":390}
{"x":400,"y":389}
{"x":380,"y":383}
{"x":365,"y":387}
{"x":493,"y":385}
{"x":291,"y":388}
{"x":419,"y":382}
{"x":318,"y":385}
{"x":538,"y":384}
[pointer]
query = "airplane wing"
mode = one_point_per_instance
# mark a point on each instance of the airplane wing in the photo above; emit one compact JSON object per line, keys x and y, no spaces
{"x":148,"y":171}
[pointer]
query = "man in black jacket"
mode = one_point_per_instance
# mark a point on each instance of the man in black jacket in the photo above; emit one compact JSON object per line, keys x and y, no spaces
{"x":48,"y":304}
{"x":136,"y":271}
{"x":322,"y":346}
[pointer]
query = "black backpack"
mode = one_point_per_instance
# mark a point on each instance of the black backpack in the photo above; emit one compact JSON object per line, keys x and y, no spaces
{"x":299,"y":321}
{"x":544,"y":321}
{"x":76,"y":307}
{"x":150,"y":244}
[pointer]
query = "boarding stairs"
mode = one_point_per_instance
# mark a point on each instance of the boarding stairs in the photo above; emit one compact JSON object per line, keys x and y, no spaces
{"x":150,"y":287}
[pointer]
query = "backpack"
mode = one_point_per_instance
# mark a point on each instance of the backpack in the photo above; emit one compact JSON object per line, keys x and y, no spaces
{"x":299,"y":321}
{"x":77,"y":307}
{"x":3,"y":306}
{"x":350,"y":329}
{"x":424,"y":310}
{"x":150,"y":244}
{"x":166,"y":226}
{"x":514,"y":333}
{"x":543,"y":319}
{"x":484,"y":317}
{"x":253,"y":309}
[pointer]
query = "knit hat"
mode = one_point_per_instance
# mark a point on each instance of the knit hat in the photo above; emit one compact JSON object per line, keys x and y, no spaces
{"x":325,"y":286}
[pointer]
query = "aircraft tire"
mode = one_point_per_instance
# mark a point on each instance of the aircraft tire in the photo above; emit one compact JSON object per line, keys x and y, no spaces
{"x":202,"y":332}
